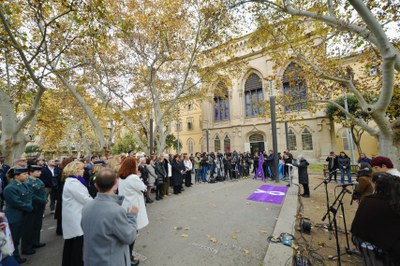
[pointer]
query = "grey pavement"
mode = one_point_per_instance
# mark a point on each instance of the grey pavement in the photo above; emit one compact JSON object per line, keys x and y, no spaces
{"x":208,"y":224}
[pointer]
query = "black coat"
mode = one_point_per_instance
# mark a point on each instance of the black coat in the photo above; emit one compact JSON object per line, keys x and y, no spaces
{"x":177,"y":176}
{"x":160,"y":172}
{"x":47,"y":177}
{"x":377,"y":223}
{"x":333,"y":163}
{"x":303,"y":173}
{"x":344,"y":162}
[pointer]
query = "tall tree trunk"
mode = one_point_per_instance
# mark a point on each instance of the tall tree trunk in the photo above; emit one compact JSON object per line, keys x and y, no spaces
{"x":389,"y":149}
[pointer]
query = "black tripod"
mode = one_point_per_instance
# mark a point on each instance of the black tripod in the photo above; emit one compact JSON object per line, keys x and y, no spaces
{"x":334,"y":210}
{"x":325,"y":182}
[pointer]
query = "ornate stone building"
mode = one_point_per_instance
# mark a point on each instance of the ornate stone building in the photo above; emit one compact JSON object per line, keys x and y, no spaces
{"x":234,"y":117}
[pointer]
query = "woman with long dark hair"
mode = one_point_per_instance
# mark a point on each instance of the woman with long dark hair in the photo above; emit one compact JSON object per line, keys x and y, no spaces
{"x":375,"y":227}
{"x":132,"y":188}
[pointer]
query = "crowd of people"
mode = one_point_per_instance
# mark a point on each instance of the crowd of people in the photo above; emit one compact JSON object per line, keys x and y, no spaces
{"x":82,"y":192}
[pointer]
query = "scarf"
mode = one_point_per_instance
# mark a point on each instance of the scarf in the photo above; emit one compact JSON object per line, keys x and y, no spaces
{"x":81,"y":179}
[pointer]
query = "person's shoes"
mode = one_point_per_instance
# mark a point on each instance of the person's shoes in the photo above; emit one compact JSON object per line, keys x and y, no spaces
{"x":157,"y":198}
{"x":135,"y":262}
{"x":305,"y":196}
{"x":20,"y":260}
{"x":28,"y":252}
{"x":162,"y":197}
{"x":40,"y":245}
{"x":149,"y":201}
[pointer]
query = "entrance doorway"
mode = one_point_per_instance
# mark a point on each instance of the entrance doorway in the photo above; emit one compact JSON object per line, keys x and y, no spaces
{"x":256,"y":143}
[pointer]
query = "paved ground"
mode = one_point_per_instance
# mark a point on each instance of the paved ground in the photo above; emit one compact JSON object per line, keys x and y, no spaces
{"x":208,"y":224}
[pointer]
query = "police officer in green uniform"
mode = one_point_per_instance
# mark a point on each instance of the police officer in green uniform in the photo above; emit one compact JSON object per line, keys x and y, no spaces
{"x":31,"y":238}
{"x":18,"y":199}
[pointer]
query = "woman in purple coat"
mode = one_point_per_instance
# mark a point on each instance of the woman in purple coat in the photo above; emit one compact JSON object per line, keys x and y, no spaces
{"x":260,"y":167}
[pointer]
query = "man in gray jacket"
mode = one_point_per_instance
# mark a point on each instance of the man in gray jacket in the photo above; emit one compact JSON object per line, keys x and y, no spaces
{"x":108,"y":229}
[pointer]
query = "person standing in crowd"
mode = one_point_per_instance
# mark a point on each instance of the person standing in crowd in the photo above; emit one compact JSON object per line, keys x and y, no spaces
{"x":168,"y":171}
{"x":21,"y":162}
{"x":364,"y":186}
{"x":161,"y":174}
{"x":302,"y":166}
{"x":98,"y":165}
{"x":270,"y":164}
{"x":364,"y":159}
{"x":31,"y":239}
{"x":287,"y":159}
{"x":384,"y":164}
{"x":177,"y":172}
{"x":260,"y":169}
{"x":152,"y":174}
{"x":333,"y":165}
{"x":344,"y":166}
{"x":133,"y":189}
{"x":211,"y":164}
{"x":144,"y":175}
{"x":18,"y":197}
{"x":255,"y":163}
{"x":375,"y":227}
{"x":197,"y":168}
{"x":50,"y":175}
{"x":3,"y":179}
{"x":204,"y":167}
{"x":58,"y":212}
{"x":108,"y":228}
{"x":74,"y":197}
{"x":188,"y":170}
{"x":227,"y":166}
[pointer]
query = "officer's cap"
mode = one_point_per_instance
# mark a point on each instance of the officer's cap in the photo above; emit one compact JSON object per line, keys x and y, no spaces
{"x":35,"y":168}
{"x":17,"y":170}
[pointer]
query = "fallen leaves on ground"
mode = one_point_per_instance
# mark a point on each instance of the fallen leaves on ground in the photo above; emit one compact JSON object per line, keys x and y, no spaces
{"x":263,"y":232}
{"x":246,"y":251}
{"x":184,"y":235}
{"x":178,"y":228}
{"x":212,"y":239}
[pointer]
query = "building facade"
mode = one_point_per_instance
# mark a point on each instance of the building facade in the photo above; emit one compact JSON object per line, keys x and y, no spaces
{"x":235,"y":117}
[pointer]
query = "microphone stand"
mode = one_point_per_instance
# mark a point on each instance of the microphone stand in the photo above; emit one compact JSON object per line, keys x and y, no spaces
{"x":325,"y":182}
{"x":338,"y":203}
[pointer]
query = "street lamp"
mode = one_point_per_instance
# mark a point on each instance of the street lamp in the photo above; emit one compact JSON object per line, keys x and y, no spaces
{"x":346,"y":107}
{"x":273,"y":127}
{"x":151,"y":132}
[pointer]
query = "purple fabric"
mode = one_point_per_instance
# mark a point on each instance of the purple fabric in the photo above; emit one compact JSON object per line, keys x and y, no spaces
{"x":270,"y":194}
{"x":81,"y":179}
{"x":260,"y":170}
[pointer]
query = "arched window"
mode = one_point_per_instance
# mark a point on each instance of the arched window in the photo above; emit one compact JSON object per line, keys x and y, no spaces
{"x":306,"y":139}
{"x":227,"y":144}
{"x":345,"y":139}
{"x":221,"y":103}
{"x":256,"y":138}
{"x":190,"y":145}
{"x":217,"y":144}
{"x":253,"y":96}
{"x":292,"y":142}
{"x":294,"y":88}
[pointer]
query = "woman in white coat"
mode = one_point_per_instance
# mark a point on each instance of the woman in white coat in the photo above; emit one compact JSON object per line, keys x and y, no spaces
{"x":132,"y":188}
{"x":74,"y":196}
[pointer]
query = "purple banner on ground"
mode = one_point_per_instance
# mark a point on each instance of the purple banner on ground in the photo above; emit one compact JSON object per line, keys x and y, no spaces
{"x":270,"y":194}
